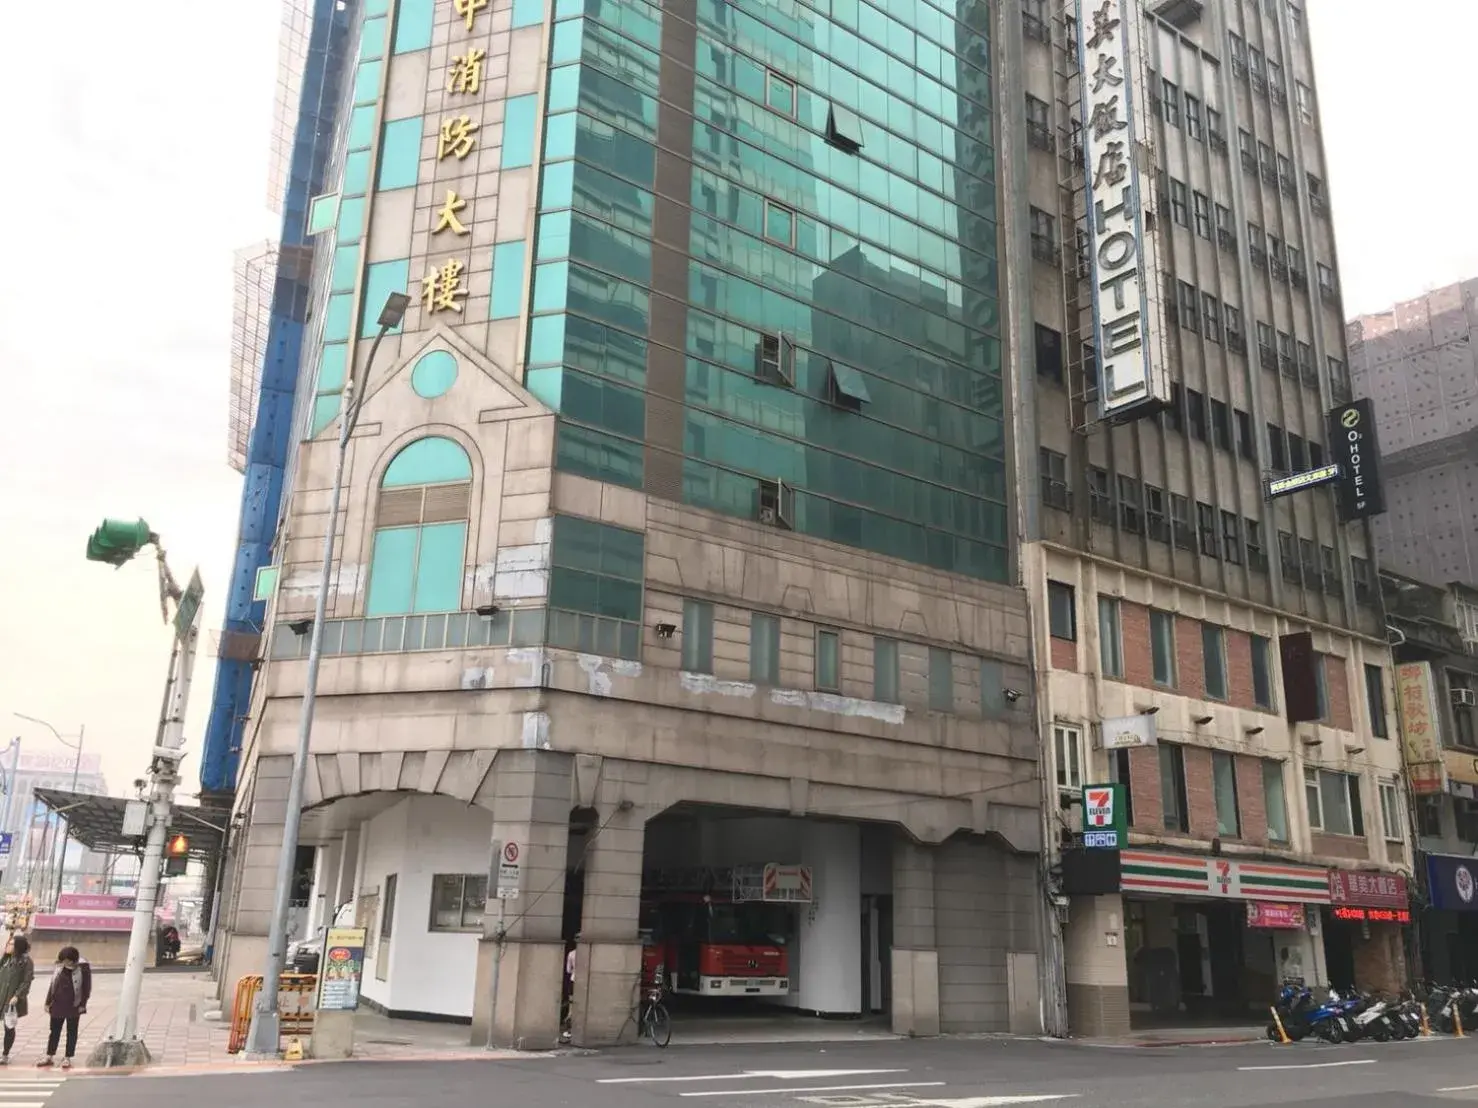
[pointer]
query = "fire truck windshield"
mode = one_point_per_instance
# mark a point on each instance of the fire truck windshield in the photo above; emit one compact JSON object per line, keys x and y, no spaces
{"x":750,"y":923}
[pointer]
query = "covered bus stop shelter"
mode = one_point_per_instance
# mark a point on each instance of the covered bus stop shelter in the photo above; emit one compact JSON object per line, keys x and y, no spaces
{"x":97,"y":823}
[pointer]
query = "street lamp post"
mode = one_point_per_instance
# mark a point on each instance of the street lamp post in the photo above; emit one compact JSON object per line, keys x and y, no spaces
{"x":264,"y":1036}
{"x":115,"y":543}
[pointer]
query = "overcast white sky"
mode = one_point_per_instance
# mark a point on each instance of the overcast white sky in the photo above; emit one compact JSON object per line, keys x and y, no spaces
{"x":148,"y":124}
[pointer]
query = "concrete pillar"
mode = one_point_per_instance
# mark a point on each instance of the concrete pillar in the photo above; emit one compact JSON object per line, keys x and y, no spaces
{"x":828,"y":954}
{"x":1096,"y":967}
{"x":256,"y":881}
{"x":325,"y":885}
{"x":348,"y":877}
{"x":915,"y":953}
{"x":520,"y":976}
{"x":608,"y":961}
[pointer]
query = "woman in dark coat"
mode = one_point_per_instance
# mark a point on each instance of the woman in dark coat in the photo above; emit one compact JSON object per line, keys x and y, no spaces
{"x":16,"y":973}
{"x":66,"y":1003}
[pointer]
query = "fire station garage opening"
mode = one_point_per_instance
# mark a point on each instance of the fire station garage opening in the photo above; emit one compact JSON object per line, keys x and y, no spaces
{"x":752,"y":918}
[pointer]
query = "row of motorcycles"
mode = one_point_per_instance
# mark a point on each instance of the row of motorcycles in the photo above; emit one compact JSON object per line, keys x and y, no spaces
{"x":1351,"y":1018}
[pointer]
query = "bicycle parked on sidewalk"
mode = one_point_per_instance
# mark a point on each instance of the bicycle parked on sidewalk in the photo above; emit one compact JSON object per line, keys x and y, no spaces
{"x":650,"y":1014}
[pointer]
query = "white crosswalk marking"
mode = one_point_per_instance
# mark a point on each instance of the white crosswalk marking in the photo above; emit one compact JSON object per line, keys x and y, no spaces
{"x":27,"y":1092}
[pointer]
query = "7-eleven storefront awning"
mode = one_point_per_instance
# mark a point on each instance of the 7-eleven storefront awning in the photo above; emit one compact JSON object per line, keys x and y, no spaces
{"x":1161,"y":874}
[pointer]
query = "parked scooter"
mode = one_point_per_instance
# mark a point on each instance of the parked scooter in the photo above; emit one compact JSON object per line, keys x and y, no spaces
{"x":1302,"y":1015}
{"x":1375,"y":1018}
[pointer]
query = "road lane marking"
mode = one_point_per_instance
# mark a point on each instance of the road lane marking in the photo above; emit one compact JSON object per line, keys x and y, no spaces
{"x":1315,"y":1065}
{"x":997,"y":1101}
{"x":748,"y":1075}
{"x":821,"y":1089}
{"x":1457,"y":1088}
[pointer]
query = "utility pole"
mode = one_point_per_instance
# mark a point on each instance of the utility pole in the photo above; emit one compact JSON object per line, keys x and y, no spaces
{"x":263,"y":1038}
{"x":114,"y":543}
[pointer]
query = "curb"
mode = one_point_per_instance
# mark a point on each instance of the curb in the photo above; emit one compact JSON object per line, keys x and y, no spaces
{"x":1154,"y":1044}
{"x":216,"y":1069}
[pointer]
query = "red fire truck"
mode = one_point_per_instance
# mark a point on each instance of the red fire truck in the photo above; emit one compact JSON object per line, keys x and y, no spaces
{"x":721,"y":932}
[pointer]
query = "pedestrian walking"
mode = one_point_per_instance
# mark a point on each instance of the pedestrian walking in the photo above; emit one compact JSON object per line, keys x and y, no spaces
{"x":567,"y":993}
{"x":66,"y":1003}
{"x":16,"y":973}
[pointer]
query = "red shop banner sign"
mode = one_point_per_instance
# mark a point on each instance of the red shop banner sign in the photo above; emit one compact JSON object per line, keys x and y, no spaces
{"x":1278,"y":917}
{"x":1367,"y":889}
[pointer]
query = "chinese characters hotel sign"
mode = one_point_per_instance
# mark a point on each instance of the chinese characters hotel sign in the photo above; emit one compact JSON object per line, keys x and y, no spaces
{"x":1417,"y":704}
{"x":1127,"y":313}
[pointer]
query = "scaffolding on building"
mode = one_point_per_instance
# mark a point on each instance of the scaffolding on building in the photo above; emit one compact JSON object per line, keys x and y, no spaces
{"x":292,"y":59}
{"x":254,"y":277}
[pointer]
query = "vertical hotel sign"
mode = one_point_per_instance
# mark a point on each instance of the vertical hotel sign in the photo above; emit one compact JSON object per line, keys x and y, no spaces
{"x":1127,"y":324}
{"x":1353,"y":446}
{"x":1417,"y":701}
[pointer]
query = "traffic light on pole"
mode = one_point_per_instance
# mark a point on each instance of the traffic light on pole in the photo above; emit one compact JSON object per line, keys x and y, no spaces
{"x":118,"y":540}
{"x":177,"y":856}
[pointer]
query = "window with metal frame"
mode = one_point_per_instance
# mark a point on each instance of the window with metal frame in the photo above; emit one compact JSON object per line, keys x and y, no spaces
{"x":458,"y":901}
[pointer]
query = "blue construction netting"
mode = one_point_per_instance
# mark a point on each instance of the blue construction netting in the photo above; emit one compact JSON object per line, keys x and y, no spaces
{"x":272,"y":429}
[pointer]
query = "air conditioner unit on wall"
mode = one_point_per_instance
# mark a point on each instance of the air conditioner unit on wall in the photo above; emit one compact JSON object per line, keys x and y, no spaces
{"x":1464,"y":698}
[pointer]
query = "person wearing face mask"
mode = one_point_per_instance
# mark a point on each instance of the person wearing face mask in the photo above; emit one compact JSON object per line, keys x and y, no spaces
{"x":16,"y":973}
{"x":66,"y":1003}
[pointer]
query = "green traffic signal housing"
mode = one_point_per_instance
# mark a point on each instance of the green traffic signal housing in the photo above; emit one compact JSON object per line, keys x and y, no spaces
{"x":118,"y":540}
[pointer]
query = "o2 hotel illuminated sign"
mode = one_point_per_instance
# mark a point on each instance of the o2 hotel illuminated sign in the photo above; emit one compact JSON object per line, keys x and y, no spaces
{"x":1353,"y":446}
{"x":1128,"y":325}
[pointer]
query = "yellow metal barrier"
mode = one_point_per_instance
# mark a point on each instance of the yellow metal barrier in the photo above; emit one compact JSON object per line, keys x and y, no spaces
{"x":295,"y":1000}
{"x":1278,"y":1023}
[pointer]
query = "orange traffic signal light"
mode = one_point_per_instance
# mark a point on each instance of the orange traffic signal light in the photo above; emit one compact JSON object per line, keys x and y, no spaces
{"x":179,"y":846}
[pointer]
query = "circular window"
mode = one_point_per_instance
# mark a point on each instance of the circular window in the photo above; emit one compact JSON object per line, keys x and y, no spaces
{"x":434,"y":374}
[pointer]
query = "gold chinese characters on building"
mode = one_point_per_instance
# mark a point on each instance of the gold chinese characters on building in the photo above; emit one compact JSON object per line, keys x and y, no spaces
{"x":444,"y":288}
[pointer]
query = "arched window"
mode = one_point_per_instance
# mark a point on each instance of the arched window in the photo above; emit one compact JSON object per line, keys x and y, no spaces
{"x":421,"y":530}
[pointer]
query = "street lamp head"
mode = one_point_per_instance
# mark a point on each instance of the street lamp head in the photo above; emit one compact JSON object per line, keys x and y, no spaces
{"x":394,"y":310}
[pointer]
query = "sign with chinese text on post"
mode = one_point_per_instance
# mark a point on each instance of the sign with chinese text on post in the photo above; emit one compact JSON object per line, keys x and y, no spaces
{"x":1416,"y":702}
{"x":1103,"y":816}
{"x":1277,"y":917}
{"x":341,"y":969}
{"x":1128,"y":327}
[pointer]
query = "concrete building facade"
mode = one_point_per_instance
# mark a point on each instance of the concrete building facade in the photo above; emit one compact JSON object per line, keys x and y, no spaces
{"x":1167,"y":587}
{"x":1419,"y":364}
{"x":677,"y":532}
{"x":1437,"y":693}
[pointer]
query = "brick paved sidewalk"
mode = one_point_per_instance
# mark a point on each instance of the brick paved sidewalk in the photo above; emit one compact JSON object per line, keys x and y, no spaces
{"x":168,"y":1018}
{"x":172,"y":1024}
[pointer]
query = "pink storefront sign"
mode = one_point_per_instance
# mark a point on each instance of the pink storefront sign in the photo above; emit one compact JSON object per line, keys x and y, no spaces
{"x":93,"y":902}
{"x":1367,"y":888}
{"x":1278,"y":917}
{"x":79,"y":921}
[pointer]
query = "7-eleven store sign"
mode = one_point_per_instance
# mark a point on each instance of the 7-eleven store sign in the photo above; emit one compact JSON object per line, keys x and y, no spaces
{"x":1146,"y":871}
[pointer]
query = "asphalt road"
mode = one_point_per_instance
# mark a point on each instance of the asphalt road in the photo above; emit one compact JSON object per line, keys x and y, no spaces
{"x":951,"y":1073}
